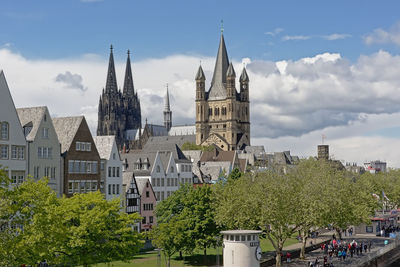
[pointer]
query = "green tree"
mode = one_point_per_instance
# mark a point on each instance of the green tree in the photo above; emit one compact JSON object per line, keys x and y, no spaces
{"x":186,"y":220}
{"x":96,"y":230}
{"x":235,"y":174}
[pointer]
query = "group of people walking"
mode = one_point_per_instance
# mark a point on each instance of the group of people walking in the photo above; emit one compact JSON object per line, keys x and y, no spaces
{"x":340,"y":249}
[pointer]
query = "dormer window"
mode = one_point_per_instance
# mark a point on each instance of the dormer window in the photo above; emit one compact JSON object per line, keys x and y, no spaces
{"x":172,"y":169}
{"x":158,"y":168}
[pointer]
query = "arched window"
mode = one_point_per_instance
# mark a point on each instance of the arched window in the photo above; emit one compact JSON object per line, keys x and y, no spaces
{"x":4,"y":130}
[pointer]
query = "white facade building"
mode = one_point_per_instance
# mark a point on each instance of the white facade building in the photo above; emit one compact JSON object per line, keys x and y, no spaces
{"x":43,"y":147}
{"x":110,"y":166}
{"x":12,"y":139}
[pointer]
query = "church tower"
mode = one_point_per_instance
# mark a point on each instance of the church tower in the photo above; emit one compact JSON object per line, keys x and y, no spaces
{"x":222,"y":114}
{"x":167,"y":112}
{"x":118,"y":111}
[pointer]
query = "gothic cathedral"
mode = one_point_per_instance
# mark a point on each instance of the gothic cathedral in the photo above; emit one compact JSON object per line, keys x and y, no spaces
{"x":222,"y":114}
{"x":118,"y":111}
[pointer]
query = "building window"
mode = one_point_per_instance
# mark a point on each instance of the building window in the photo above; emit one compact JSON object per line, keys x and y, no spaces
{"x":94,"y":167}
{"x":117,"y":189}
{"x":113,"y":155}
{"x":117,"y":171}
{"x":94,"y":185}
{"x":102,"y":165}
{"x":78,"y":146}
{"x":53,"y":173}
{"x":158,"y":168}
{"x":168,"y":183}
{"x":113,"y":187}
{"x":162,"y":181}
{"x":70,"y":187}
{"x":109,"y":171}
{"x":88,"y":146}
{"x":76,"y":166}
{"x":162,"y":195}
{"x":4,"y":130}
{"x":172,"y":169}
{"x":150,"y":219}
{"x":3,"y":151}
{"x":70,"y":166}
{"x":83,"y":167}
{"x":109,"y":189}
{"x":45,"y":133}
{"x":144,"y":220}
{"x":47,"y":171}
{"x":113,"y":171}
{"x":158,"y":196}
{"x":36,"y":172}
{"x":147,"y":194}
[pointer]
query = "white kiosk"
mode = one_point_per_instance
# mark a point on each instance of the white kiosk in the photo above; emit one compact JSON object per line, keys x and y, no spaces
{"x":241,"y":248}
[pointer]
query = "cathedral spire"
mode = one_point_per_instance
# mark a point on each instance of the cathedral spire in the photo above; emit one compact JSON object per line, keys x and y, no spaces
{"x":111,"y":83}
{"x":128,"y":82}
{"x":218,"y":82}
{"x":166,"y":101}
{"x":167,"y":112}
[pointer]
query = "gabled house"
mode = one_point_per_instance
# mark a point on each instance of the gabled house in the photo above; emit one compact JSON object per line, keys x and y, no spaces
{"x":131,"y":196}
{"x":12,"y":139}
{"x":43,"y":153}
{"x":80,"y":159}
{"x":148,"y":203}
{"x":165,"y":169}
{"x":110,"y":166}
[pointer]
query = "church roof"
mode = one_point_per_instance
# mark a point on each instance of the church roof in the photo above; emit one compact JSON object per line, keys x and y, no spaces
{"x":183,"y":130}
{"x":244,"y":77}
{"x":231,"y":71}
{"x":128,"y":82}
{"x":66,"y":128}
{"x":218,"y":90}
{"x":200,"y":74}
{"x":33,"y":116}
{"x":111,"y":83}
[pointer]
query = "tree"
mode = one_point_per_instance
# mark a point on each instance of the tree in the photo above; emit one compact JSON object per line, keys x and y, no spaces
{"x":235,"y":174}
{"x":265,"y":201}
{"x":186,"y":220}
{"x":96,"y":230}
{"x":81,"y":230}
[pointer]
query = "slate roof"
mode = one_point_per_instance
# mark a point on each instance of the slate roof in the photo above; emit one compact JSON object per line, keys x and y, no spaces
{"x":135,"y":156}
{"x":244,"y":77}
{"x":168,"y":143}
{"x":31,"y":116}
{"x":127,"y":178}
{"x":66,"y":128}
{"x":104,"y":145}
{"x":217,"y":89}
{"x":200,"y":74}
{"x":183,"y":130}
{"x":217,"y":155}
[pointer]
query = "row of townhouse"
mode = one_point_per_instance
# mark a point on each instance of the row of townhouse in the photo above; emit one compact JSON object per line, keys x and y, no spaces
{"x":62,"y":149}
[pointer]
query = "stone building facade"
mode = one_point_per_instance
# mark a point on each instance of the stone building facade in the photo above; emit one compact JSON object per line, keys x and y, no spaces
{"x":223,"y":114}
{"x":118,"y":111}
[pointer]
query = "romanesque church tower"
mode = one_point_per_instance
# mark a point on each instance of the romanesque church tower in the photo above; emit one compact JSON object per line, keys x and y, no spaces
{"x":223,"y":114}
{"x":118,"y":111}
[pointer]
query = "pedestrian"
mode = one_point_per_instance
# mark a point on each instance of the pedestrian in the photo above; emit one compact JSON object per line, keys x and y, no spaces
{"x":361,"y":247}
{"x":365,"y":247}
{"x":325,"y":261}
{"x":288,"y":257}
{"x":344,"y":255}
{"x":340,"y":254}
{"x":369,"y":246}
{"x":316,"y":263}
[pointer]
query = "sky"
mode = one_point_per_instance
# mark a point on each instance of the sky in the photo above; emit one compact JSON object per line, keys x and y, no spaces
{"x":316,"y":67}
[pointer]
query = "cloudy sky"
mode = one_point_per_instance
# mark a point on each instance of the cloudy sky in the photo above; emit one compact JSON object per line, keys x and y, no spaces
{"x":316,"y":67}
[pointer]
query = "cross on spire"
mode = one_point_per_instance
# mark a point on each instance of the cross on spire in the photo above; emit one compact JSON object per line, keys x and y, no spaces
{"x":222,"y":26}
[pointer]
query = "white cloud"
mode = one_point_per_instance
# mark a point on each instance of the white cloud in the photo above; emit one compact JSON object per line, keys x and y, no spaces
{"x":336,"y":36}
{"x":295,"y":37}
{"x":381,"y":36}
{"x":292,"y":102}
{"x":73,"y":81}
{"x":276,"y":31}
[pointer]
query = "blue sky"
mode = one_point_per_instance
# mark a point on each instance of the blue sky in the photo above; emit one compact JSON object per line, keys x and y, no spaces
{"x":316,"y":67}
{"x":55,"y":29}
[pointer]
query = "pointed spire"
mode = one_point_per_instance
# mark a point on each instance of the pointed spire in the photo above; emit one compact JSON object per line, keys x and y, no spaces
{"x":230,"y":72}
{"x":200,"y":74}
{"x":217,"y":90}
{"x":244,"y":77}
{"x":128,"y":82}
{"x":166,"y":101}
{"x":111,"y":83}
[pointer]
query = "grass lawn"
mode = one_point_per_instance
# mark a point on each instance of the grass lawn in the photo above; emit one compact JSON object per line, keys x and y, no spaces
{"x":149,"y":259}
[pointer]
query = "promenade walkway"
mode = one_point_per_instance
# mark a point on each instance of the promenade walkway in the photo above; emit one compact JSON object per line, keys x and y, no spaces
{"x":356,"y":260}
